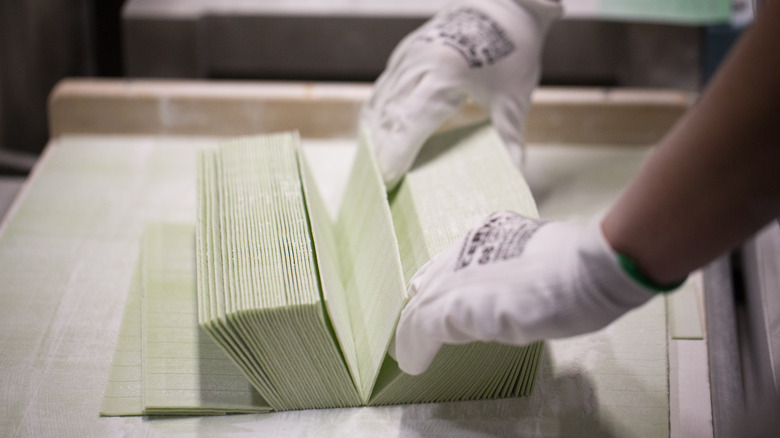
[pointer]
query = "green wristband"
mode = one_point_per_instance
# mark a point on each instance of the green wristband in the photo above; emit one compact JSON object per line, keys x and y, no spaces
{"x":634,"y":272}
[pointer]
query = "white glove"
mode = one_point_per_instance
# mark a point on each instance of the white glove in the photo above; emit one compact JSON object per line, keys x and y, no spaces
{"x":486,"y":49}
{"x":514,"y":280}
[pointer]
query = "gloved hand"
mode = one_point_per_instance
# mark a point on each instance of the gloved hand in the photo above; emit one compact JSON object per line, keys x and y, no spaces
{"x":486,"y":49}
{"x":514,"y":280}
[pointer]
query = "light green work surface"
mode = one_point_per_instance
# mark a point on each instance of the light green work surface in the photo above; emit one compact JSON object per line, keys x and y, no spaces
{"x":68,"y":251}
{"x":124,"y":389}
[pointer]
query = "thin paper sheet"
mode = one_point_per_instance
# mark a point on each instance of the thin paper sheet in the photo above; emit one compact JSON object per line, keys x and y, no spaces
{"x":370,"y":266}
{"x":329,"y":265}
{"x":184,"y":372}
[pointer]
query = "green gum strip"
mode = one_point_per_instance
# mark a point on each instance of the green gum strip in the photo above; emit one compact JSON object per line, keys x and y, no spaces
{"x":633,"y":270}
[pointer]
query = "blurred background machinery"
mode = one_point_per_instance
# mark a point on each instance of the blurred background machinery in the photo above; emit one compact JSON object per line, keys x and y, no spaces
{"x":43,"y":41}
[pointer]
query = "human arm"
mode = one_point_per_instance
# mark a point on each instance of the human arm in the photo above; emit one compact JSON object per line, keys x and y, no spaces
{"x":715,"y":178}
{"x":712,"y":182}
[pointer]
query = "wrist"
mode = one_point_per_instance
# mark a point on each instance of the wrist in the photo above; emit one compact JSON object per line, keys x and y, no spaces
{"x":635,"y":267}
{"x":634,"y":271}
{"x":603,"y":275}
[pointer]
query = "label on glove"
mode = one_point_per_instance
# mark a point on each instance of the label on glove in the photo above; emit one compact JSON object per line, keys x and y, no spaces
{"x":503,"y":235}
{"x":476,"y":36}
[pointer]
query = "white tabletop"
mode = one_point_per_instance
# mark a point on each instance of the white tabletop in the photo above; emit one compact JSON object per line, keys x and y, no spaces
{"x":69,"y":245}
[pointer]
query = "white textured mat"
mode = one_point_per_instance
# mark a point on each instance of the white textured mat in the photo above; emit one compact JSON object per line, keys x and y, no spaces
{"x":67,"y":255}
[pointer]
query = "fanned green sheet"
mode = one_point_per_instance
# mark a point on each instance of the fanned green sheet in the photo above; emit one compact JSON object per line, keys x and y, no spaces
{"x":371,"y":272}
{"x":306,"y":307}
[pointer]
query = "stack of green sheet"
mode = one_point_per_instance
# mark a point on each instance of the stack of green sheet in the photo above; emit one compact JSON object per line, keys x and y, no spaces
{"x":307,"y":307}
{"x":259,"y":294}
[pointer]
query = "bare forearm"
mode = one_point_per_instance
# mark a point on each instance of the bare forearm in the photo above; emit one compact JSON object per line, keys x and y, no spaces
{"x":715,"y":178}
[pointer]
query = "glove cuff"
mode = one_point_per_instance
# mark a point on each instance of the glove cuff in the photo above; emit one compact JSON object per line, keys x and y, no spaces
{"x":635,"y":272}
{"x":605,"y":273}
